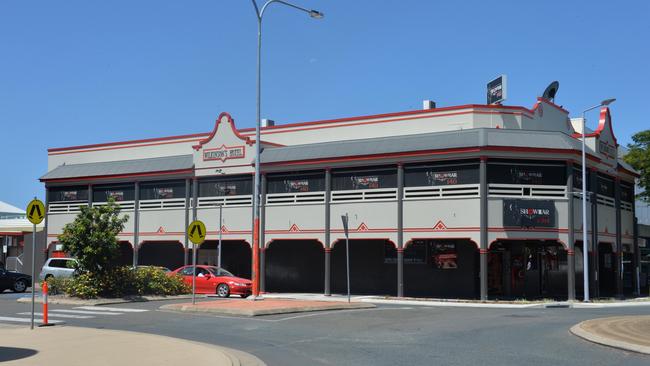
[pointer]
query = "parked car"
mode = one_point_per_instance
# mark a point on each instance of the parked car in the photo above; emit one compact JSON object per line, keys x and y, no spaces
{"x":215,"y":280}
{"x":57,"y":267}
{"x":15,"y":281}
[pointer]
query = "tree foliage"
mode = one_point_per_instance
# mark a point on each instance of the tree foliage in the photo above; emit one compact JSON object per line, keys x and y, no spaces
{"x":92,"y":238}
{"x":639,"y":157}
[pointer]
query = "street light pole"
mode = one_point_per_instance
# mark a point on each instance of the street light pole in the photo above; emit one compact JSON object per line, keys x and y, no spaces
{"x":256,"y":186}
{"x":585,"y":249}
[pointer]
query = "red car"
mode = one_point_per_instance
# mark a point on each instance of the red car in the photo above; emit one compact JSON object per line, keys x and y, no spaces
{"x":215,"y":280}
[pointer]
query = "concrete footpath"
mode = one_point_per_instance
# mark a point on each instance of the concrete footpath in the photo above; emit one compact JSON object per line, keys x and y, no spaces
{"x":630,"y":333}
{"x":265,"y":306}
{"x":72,"y":346}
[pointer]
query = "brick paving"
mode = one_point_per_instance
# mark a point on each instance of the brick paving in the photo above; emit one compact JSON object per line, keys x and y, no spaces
{"x":264,"y":307}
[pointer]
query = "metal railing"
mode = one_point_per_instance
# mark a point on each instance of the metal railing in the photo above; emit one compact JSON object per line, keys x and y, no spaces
{"x":527,"y":190}
{"x":381,"y":194}
{"x":66,"y":207}
{"x":442,"y":192}
{"x":124,"y":205}
{"x":162,"y":204}
{"x":299,"y":198}
{"x":226,"y":201}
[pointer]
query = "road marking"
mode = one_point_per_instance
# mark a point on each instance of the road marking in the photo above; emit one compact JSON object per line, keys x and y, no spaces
{"x":71,"y":316}
{"x":25,"y":320}
{"x":104,"y":308}
{"x":85,"y":312}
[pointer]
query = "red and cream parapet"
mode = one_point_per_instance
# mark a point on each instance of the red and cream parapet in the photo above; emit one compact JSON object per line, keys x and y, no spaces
{"x":407,"y":179}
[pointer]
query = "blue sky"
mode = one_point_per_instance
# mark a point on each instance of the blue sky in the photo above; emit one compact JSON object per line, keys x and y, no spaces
{"x":81,"y":72}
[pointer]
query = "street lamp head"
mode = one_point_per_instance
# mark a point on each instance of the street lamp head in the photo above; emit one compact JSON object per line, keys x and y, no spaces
{"x":607,"y":102}
{"x":316,"y":14}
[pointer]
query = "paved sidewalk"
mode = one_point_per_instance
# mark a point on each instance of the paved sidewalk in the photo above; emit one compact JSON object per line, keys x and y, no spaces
{"x":631,"y":333}
{"x":267,"y":306}
{"x":72,"y":346}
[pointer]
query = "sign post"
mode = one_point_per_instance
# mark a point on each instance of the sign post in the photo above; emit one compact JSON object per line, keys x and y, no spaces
{"x":35,"y":215}
{"x":196,"y":233}
{"x":345,"y":219}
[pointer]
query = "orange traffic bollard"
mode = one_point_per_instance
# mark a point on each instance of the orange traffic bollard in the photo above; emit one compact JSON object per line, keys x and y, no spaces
{"x":45,"y":323}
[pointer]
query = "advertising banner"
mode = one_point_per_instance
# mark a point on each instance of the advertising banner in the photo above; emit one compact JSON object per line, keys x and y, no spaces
{"x":528,"y":213}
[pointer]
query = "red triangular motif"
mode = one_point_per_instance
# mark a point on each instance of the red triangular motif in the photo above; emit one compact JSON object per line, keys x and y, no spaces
{"x":363,"y":227}
{"x":161,"y":230}
{"x":294,"y":228}
{"x":224,"y":229}
{"x":439,"y":226}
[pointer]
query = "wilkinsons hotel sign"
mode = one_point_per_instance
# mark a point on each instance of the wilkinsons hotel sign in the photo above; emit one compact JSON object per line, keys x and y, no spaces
{"x":224,"y":153}
{"x":528,"y":213}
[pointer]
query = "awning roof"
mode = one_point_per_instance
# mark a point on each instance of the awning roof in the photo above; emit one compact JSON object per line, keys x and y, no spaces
{"x":422,"y":142}
{"x":110,"y":168}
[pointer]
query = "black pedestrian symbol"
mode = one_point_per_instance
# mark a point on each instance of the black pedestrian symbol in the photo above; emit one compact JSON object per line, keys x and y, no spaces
{"x":38,"y":211}
{"x":195,"y":229}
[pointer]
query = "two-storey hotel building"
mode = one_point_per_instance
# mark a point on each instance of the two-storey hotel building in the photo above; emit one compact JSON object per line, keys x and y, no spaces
{"x":470,"y":201}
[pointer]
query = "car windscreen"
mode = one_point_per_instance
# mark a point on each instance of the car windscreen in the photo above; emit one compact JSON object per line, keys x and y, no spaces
{"x":220,"y":272}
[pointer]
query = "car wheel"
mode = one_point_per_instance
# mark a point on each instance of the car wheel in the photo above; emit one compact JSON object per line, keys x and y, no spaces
{"x":243,"y":296}
{"x":48,"y":277}
{"x":223,"y":290}
{"x":20,"y":286}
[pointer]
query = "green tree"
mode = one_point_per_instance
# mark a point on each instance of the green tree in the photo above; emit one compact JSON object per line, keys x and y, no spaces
{"x":639,"y":157}
{"x":92,"y":238}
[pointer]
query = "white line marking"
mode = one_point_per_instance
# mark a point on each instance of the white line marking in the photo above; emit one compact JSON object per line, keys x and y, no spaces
{"x":104,"y":308}
{"x":85,"y":312}
{"x":25,"y":320}
{"x":60,"y":315}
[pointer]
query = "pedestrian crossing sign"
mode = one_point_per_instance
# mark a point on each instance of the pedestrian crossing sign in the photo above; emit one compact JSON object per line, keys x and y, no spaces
{"x":196,"y":232}
{"x":35,"y":211}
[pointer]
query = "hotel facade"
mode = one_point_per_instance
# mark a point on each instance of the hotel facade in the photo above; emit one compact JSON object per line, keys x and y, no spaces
{"x":470,"y":201}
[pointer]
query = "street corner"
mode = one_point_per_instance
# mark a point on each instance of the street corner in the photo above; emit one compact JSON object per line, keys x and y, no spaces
{"x":250,"y":308}
{"x":629,"y":333}
{"x":51,"y":346}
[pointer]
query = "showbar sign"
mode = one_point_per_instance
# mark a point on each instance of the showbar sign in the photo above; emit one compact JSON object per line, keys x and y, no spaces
{"x":528,"y":213}
{"x":224,"y":153}
{"x":497,"y":90}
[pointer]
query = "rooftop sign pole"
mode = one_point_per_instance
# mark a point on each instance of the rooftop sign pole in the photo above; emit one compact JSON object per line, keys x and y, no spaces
{"x":35,"y":215}
{"x":497,"y":90}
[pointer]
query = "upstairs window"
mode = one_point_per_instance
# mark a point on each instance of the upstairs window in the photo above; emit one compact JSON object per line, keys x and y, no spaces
{"x":605,"y":186}
{"x":441,"y":174}
{"x":296,"y":183}
{"x":514,"y":172}
{"x":230,"y":186}
{"x":344,"y":180}
{"x":68,"y":194}
{"x":627,"y":192}
{"x":162,"y":190}
{"x":119,"y":192}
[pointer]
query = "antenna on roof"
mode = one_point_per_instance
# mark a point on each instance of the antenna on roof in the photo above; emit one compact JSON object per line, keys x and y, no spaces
{"x":550,"y":91}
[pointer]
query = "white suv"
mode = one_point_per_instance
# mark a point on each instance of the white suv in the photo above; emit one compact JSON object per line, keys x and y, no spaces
{"x":57,"y":267}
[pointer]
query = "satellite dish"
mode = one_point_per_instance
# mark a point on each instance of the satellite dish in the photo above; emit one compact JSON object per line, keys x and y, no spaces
{"x":551,"y":90}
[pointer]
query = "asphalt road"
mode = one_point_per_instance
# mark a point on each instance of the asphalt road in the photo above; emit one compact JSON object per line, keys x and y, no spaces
{"x":387,"y":335}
